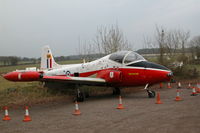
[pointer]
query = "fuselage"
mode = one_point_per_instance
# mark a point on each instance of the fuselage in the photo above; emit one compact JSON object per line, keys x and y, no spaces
{"x":121,"y":69}
{"x":133,"y":72}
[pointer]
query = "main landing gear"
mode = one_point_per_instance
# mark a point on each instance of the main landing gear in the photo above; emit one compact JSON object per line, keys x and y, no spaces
{"x":151,"y":94}
{"x":81,"y":95}
{"x":116,"y":91}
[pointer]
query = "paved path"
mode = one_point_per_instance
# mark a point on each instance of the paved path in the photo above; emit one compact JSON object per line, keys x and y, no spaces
{"x":99,"y":115}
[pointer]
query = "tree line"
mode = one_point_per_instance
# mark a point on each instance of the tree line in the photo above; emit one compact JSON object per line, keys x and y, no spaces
{"x":174,"y":44}
{"x":14,"y":60}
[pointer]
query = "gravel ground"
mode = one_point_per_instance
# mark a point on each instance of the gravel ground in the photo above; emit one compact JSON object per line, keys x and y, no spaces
{"x":99,"y":114}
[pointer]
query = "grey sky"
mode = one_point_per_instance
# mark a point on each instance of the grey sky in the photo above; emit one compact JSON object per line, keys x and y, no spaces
{"x":27,"y":25}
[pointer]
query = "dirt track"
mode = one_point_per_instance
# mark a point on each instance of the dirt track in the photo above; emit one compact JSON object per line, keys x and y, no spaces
{"x":141,"y":115}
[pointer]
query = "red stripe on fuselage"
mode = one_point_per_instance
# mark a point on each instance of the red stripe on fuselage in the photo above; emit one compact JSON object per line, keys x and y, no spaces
{"x":135,"y":76}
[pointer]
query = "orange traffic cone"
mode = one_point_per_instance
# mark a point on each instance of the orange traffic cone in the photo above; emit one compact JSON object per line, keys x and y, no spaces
{"x":6,"y":116}
{"x":178,"y":98}
{"x":169,"y":85}
{"x":189,"y":86}
{"x":161,"y":85}
{"x":198,"y":88}
{"x":120,"y":105}
{"x":158,"y":101}
{"x":194,"y":93}
{"x":76,"y":111}
{"x":179,"y":85}
{"x":27,"y":118}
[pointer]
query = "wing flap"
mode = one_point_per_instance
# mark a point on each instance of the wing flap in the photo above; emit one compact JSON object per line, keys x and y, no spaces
{"x":75,"y":80}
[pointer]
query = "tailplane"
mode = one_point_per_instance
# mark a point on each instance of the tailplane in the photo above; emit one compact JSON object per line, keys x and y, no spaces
{"x":47,"y":60}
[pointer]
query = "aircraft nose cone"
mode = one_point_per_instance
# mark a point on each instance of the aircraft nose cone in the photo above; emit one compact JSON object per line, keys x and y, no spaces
{"x":10,"y":76}
{"x":7,"y":76}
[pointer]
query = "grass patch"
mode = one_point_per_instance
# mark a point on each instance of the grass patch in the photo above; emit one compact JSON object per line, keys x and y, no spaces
{"x":12,"y":94}
{"x":20,"y":93}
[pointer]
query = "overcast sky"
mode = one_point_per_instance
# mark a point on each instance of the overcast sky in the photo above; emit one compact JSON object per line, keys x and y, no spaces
{"x":27,"y":25}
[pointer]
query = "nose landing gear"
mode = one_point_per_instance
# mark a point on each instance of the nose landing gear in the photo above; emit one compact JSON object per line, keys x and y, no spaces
{"x":151,"y":94}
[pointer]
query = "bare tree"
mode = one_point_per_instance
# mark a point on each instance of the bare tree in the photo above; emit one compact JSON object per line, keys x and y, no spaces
{"x":169,"y":42}
{"x":85,"y":49}
{"x":106,"y":41}
{"x":160,"y":38}
{"x":148,"y":43}
{"x":172,"y":43}
{"x":195,"y":46}
{"x":183,"y":36}
{"x":109,"y":40}
{"x":13,"y":60}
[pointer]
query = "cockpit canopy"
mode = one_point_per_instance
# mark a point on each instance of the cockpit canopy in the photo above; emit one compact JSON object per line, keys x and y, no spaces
{"x":126,"y":57}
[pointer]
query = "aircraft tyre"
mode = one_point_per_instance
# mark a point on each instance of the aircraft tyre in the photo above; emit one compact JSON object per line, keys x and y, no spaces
{"x":151,"y":94}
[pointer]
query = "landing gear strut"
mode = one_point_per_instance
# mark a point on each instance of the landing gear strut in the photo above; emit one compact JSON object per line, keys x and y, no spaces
{"x":151,"y":94}
{"x":80,"y":96}
{"x":116,"y":91}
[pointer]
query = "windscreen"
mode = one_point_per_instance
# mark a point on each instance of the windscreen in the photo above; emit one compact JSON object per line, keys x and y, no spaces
{"x":118,"y":56}
{"x":132,"y":56}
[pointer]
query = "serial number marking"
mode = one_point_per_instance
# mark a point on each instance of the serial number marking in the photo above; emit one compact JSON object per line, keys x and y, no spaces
{"x":133,"y":73}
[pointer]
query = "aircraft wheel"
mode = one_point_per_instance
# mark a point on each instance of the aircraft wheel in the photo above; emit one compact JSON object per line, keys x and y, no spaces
{"x":151,"y":94}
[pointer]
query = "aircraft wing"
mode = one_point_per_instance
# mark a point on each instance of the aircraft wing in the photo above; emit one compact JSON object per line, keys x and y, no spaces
{"x":75,"y":80}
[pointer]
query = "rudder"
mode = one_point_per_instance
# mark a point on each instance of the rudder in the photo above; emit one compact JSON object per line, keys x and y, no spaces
{"x":47,"y":60}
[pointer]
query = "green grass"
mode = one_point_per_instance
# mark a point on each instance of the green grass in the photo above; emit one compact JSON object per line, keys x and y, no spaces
{"x":19,"y":93}
{"x":13,"y":68}
{"x":196,"y":66}
{"x":26,"y":93}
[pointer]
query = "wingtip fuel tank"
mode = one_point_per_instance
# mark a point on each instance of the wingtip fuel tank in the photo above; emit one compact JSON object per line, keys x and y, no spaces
{"x":22,"y":76}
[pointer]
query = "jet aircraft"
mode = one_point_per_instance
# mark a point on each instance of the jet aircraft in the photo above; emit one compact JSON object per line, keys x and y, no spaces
{"x":118,"y":70}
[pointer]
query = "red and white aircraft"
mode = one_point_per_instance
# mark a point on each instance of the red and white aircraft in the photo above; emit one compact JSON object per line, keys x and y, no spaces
{"x":118,"y":70}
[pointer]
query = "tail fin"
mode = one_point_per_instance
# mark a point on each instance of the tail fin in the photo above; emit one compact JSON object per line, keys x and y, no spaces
{"x":47,"y":60}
